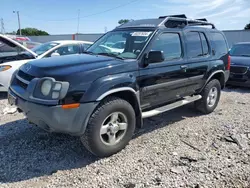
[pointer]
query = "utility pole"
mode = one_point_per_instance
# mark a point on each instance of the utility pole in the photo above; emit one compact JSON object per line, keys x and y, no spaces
{"x":78,"y":20}
{"x":19,"y":24}
{"x":2,"y":26}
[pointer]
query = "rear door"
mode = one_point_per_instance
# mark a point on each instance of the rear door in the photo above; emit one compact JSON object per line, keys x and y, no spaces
{"x":198,"y":55}
{"x":164,"y":81}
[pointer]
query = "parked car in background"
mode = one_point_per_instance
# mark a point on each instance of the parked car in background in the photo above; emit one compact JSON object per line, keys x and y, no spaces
{"x":29,"y":44}
{"x":240,"y":65}
{"x":18,"y":37}
{"x":103,"y":95}
{"x":13,"y":54}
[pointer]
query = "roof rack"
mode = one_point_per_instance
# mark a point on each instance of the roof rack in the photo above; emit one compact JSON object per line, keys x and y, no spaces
{"x":173,"y":21}
{"x":174,"y":16}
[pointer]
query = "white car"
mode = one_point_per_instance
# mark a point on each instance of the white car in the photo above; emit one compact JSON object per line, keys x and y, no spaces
{"x":13,"y":54}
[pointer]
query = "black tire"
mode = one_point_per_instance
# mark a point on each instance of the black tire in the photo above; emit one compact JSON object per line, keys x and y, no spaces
{"x":92,"y":139}
{"x":202,"y":104}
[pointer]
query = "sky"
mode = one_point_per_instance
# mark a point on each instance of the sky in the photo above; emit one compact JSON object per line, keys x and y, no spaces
{"x":96,"y":16}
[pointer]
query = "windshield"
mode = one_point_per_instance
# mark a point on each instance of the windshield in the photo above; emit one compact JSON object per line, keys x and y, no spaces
{"x":240,"y":50}
{"x":44,"y":47}
{"x":121,"y":44}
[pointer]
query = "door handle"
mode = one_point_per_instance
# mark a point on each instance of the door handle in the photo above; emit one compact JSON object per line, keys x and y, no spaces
{"x":184,"y":66}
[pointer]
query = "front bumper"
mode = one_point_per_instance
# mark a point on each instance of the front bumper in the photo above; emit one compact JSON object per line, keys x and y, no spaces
{"x":239,"y":79}
{"x":3,"y":89}
{"x":55,"y":118}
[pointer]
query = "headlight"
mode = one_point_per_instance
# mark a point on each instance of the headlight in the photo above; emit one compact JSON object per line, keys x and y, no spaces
{"x":46,"y":87}
{"x":4,"y":67}
{"x":50,"y":89}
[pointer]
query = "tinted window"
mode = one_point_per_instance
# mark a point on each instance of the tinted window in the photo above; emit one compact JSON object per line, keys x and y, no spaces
{"x":219,"y":43}
{"x":170,"y":44}
{"x":240,"y":50}
{"x":204,"y":44}
{"x":194,"y":48}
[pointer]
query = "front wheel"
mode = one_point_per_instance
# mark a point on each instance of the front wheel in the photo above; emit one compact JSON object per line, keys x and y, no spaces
{"x":210,"y":97}
{"x":110,"y":127}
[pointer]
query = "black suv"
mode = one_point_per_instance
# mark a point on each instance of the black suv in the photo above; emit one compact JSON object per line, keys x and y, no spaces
{"x":104,"y":94}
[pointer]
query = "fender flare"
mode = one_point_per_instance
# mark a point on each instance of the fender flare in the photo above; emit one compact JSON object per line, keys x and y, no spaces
{"x":214,"y":73}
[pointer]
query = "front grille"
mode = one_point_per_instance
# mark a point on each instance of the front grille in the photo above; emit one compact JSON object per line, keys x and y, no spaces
{"x":25,"y":76}
{"x":21,"y":84}
{"x":23,"y":79}
{"x":238,"y":69}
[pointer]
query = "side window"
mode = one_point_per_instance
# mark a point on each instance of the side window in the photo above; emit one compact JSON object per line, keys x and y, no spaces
{"x":169,"y":44}
{"x":66,"y":50}
{"x":204,"y":44}
{"x":220,"y":45}
{"x":194,"y":48}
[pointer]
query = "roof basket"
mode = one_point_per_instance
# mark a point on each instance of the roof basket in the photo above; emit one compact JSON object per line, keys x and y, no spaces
{"x":181,"y":20}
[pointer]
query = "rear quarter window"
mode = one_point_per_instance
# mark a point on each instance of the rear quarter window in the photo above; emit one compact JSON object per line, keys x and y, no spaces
{"x":219,"y":43}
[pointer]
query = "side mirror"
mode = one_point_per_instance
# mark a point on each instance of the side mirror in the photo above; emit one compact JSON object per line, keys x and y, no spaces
{"x":155,"y":57}
{"x":55,"y":54}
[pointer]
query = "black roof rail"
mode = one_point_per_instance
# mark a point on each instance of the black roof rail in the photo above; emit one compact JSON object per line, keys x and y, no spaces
{"x":174,"y":16}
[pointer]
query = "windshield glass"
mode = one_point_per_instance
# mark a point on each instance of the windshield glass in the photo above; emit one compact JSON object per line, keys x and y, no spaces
{"x":121,"y":44}
{"x":240,"y":50}
{"x":44,"y":47}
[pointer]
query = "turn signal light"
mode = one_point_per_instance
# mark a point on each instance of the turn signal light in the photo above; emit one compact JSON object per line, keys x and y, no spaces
{"x":4,"y":67}
{"x":70,"y":106}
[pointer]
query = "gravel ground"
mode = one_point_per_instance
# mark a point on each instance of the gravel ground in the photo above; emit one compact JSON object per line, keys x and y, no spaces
{"x":181,"y":148}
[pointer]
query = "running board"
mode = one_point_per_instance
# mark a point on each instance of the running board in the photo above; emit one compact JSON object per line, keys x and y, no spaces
{"x":171,"y":106}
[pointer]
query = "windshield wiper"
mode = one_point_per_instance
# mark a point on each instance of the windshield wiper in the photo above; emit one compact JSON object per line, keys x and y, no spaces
{"x":245,"y":55}
{"x":110,"y":55}
{"x":88,"y":52}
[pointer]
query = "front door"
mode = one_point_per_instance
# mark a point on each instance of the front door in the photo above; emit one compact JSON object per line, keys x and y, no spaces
{"x":164,"y":81}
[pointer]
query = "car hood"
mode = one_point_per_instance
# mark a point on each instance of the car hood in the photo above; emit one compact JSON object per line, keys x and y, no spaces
{"x":6,"y":56}
{"x":11,"y":42}
{"x":239,"y":60}
{"x":63,"y":67}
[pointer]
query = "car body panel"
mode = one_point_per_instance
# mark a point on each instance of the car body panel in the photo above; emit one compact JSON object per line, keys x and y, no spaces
{"x":93,"y":77}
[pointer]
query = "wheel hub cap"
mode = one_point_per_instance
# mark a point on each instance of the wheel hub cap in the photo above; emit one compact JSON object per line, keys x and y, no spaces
{"x":212,"y":96}
{"x":113,"y":128}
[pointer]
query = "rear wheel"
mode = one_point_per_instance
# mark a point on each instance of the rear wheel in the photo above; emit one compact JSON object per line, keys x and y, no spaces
{"x":110,"y":127}
{"x":210,"y":97}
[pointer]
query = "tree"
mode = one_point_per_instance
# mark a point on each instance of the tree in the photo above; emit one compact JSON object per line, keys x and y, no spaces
{"x":32,"y":32}
{"x":123,"y":21}
{"x":247,"y":26}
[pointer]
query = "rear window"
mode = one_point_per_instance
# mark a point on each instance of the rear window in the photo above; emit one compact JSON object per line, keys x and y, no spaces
{"x":220,"y":44}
